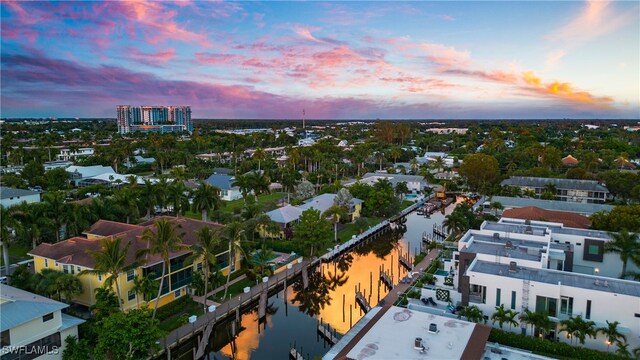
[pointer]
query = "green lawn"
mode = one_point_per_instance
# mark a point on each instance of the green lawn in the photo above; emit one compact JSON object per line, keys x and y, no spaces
{"x":230,"y":206}
{"x":17,"y":252}
{"x":237,"y":205}
{"x":353,"y":229}
{"x":234,"y":290}
{"x":405,"y":204}
{"x":176,"y":314}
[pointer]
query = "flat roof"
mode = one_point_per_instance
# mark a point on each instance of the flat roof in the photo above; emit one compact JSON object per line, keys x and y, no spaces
{"x":394,"y":334}
{"x":501,"y":250}
{"x":549,"y":276}
{"x":570,"y":206}
{"x":514,"y":225}
{"x":540,"y":182}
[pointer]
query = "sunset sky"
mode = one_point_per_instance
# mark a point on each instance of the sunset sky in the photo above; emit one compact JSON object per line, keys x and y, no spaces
{"x":336,"y":60}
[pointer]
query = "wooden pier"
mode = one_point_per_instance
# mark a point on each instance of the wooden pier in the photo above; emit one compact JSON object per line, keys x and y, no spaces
{"x":386,"y":279}
{"x":405,"y":262}
{"x":439,"y":232}
{"x":362,"y":301}
{"x":372,"y":231}
{"x":325,"y":331}
{"x":204,"y":324}
{"x":294,"y":354}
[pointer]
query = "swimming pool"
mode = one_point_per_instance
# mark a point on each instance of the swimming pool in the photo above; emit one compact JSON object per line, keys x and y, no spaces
{"x":442,"y":273}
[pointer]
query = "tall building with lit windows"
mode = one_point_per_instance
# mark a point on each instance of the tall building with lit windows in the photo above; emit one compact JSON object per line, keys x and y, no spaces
{"x":160,"y":119}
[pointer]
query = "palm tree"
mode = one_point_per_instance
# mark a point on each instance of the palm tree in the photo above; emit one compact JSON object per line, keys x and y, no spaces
{"x":259,"y":155}
{"x":32,"y":220}
{"x":579,"y":328}
{"x":127,"y":200}
{"x":455,"y":223}
{"x":528,"y":317}
{"x":178,"y":197}
{"x":549,"y":191}
{"x":472,"y":313}
{"x":244,"y":183}
{"x":612,"y":333}
{"x":235,"y":236}
{"x":259,"y":184}
{"x":262,"y":258}
{"x":626,"y":244}
{"x":164,"y":241}
{"x":112,"y":260}
{"x":8,"y":222}
{"x":503,"y":315}
{"x":529,"y":193}
{"x":395,"y":153}
{"x":58,"y":210}
{"x":623,"y":351}
{"x":148,"y":197}
{"x":414,"y":165}
{"x":206,"y":248}
{"x":336,"y":213}
{"x":496,"y":205}
{"x":205,"y":198}
{"x":146,"y":286}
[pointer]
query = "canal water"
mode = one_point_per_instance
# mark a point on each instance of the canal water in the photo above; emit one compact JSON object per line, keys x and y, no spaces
{"x":292,"y":320}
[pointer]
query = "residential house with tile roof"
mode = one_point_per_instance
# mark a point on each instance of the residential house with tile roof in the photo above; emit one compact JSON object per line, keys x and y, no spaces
{"x":71,"y":256}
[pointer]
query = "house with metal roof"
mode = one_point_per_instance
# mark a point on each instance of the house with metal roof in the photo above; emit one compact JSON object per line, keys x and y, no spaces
{"x":33,"y":326}
{"x":224,"y":182}
{"x":415,"y":183}
{"x":584,"y":191}
{"x":288,"y":215}
{"x":12,"y":196}
{"x":79,"y":173}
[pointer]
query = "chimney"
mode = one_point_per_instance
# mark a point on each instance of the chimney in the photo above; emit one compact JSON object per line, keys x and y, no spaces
{"x":513,"y":266}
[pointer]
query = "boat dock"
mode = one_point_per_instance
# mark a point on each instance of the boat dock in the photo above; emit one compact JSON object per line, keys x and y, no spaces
{"x":372,"y":231}
{"x":203,"y":325}
{"x":325,"y":331}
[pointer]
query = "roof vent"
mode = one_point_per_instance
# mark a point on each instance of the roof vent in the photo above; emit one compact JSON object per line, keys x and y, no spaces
{"x":433,"y":328}
{"x":527,"y":222}
{"x":496,"y":236}
{"x":508,"y":245}
{"x":513,"y":266}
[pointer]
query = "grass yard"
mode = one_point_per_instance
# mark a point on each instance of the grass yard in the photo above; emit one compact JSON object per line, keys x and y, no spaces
{"x":17,"y":252}
{"x":230,"y":206}
{"x":353,"y":229}
{"x":234,"y":289}
{"x":176,"y":313}
{"x":405,"y":204}
{"x":236,"y":205}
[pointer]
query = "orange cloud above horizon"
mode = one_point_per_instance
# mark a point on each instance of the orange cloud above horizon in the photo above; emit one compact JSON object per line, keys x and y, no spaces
{"x":563,"y":90}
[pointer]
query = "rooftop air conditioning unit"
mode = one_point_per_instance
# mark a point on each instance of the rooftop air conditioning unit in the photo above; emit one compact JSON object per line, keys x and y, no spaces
{"x":508,"y":244}
{"x":513,"y":266}
{"x":527,"y":222}
{"x":496,"y":236}
{"x":528,"y":230}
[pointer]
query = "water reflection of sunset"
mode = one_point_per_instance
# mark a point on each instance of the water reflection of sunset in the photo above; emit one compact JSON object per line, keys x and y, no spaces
{"x":362,"y":268}
{"x":248,"y":339}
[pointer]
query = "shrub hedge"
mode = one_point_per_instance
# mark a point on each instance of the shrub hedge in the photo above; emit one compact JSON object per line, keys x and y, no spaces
{"x":547,"y":347}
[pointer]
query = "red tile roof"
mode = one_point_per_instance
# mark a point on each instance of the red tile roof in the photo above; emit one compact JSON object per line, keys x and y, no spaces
{"x":74,"y":250}
{"x":535,"y":213}
{"x":570,"y":160}
{"x":108,"y":228}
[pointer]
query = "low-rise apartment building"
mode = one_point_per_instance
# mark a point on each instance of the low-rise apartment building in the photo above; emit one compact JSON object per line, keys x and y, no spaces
{"x":70,"y":256}
{"x":584,"y":191}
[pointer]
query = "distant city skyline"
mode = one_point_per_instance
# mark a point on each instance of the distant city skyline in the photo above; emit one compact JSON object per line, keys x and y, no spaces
{"x":336,"y":60}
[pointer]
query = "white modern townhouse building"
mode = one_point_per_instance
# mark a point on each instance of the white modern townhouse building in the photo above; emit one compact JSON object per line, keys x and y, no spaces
{"x":547,"y":267}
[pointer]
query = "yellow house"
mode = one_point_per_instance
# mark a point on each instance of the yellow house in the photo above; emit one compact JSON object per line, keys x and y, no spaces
{"x":70,"y":256}
{"x":287,"y":216}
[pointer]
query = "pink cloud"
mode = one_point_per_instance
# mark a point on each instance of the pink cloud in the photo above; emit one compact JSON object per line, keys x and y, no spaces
{"x":151,"y":58}
{"x":306,"y":33}
{"x":446,"y":17}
